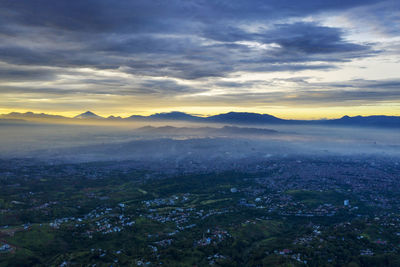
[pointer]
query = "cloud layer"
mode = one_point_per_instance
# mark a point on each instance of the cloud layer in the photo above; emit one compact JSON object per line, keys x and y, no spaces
{"x":173,"y":50}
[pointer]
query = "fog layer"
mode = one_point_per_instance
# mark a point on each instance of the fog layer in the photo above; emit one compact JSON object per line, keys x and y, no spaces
{"x":193,"y":142}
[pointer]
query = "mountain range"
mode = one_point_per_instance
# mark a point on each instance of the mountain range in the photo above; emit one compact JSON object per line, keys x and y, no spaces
{"x":226,"y":118}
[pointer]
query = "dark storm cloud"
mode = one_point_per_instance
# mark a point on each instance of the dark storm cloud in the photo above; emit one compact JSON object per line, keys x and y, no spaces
{"x":311,"y":98}
{"x":178,"y":39}
{"x":161,"y":87}
{"x":157,"y":88}
{"x":305,"y":38}
{"x":343,"y":97}
{"x":392,"y":84}
{"x":156,"y":15}
{"x":345,"y":93}
{"x":247,"y":84}
{"x":180,"y":68}
{"x":292,"y":67}
{"x":25,"y":75}
{"x":20,"y":90}
{"x":309,"y":38}
{"x":188,"y":58}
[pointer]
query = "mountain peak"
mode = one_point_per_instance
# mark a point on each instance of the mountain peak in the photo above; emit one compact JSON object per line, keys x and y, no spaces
{"x":88,"y":115}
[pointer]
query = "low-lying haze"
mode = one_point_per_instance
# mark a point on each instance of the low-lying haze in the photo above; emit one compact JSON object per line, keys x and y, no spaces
{"x":179,"y":142}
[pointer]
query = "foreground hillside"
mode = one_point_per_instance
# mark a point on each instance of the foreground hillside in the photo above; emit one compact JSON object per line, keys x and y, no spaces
{"x":303,"y":211}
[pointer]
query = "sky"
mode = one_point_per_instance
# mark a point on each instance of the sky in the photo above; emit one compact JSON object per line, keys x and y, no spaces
{"x":293,"y":59}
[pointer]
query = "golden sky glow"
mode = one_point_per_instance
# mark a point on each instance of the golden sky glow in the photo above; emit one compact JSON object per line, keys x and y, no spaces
{"x":316,"y":61}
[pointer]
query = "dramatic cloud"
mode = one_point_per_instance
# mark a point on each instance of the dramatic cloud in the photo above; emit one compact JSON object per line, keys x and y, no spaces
{"x":184,"y":49}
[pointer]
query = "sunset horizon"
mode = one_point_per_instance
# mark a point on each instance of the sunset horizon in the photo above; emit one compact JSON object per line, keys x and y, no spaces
{"x":185,"y":133}
{"x":320,"y":60}
{"x":295,"y":114}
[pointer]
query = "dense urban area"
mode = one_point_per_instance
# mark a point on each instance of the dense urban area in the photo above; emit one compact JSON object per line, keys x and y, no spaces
{"x":277,"y":211}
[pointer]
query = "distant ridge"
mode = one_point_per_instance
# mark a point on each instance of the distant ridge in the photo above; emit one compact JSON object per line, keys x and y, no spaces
{"x":380,"y":121}
{"x":31,"y":115}
{"x":242,"y":118}
{"x":175,"y":115}
{"x":256,"y":118}
{"x":171,"y":116}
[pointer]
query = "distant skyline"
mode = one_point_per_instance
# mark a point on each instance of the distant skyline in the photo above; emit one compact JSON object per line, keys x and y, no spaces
{"x":182,"y":116}
{"x":294,"y":60}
